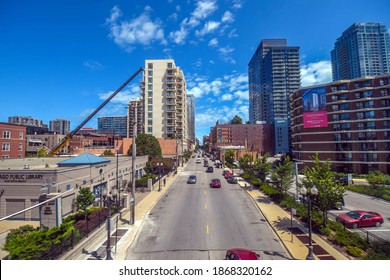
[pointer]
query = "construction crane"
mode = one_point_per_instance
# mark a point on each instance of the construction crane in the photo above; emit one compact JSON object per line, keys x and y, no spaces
{"x":70,"y":135}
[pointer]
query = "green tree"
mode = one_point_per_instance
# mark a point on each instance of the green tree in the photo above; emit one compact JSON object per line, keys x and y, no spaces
{"x":108,"y":153}
{"x":84,"y":199}
{"x":147,"y":145}
{"x":330,"y":192}
{"x":230,"y":156}
{"x":262,"y":167}
{"x":42,"y":152}
{"x":283,"y":175}
{"x":376,"y":179}
{"x":236,"y":120}
{"x":245,"y":162}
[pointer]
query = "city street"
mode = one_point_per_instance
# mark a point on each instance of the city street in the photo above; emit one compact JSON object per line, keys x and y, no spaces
{"x":194,"y":221}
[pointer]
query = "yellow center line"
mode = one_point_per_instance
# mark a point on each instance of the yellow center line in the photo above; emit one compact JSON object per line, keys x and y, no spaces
{"x":207,"y":229}
{"x":205,"y":206}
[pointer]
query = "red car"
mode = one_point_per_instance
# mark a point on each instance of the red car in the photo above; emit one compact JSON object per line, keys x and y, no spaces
{"x":228,"y":175}
{"x":215,"y":183}
{"x":359,"y":218}
{"x":241,"y":254}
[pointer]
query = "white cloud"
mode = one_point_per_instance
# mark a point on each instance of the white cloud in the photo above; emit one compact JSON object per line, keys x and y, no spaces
{"x":213,"y":42}
{"x":93,"y":65}
{"x":237,"y":4}
{"x":227,"y":96}
{"x":225,"y":53}
{"x":316,"y":73}
{"x":209,"y":27}
{"x":204,"y":8}
{"x":179,"y":36}
{"x":130,"y":92}
{"x":140,"y":30}
{"x":227,"y":17}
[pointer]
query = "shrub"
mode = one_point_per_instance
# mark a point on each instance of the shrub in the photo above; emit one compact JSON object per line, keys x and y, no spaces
{"x":355,"y":251}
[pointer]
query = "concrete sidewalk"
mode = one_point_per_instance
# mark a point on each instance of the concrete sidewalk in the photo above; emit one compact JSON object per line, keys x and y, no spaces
{"x":291,"y":232}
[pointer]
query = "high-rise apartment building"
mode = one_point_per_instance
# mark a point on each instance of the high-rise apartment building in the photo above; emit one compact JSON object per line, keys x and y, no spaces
{"x":34,"y":126}
{"x":191,"y":101}
{"x":60,"y":126}
{"x":274,"y":74}
{"x":135,"y":115}
{"x":117,"y":125}
{"x":165,"y":101}
{"x":362,"y":50}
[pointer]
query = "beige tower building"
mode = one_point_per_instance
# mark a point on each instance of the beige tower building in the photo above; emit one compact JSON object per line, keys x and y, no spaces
{"x":164,"y":93}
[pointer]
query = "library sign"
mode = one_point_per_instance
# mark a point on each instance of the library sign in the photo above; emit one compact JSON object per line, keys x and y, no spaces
{"x":20,"y":178}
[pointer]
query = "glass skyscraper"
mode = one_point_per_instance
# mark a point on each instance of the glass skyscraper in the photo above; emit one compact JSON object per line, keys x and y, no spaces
{"x":274,"y":74}
{"x":116,"y":124}
{"x":362,"y":50}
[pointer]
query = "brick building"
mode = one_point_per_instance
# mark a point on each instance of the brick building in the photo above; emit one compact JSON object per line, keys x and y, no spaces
{"x":352,"y":129}
{"x":12,"y":140}
{"x":257,"y":139}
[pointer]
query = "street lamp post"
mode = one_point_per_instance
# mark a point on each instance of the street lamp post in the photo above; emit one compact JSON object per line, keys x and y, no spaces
{"x":108,"y":201}
{"x":159,"y":165}
{"x":310,"y":194}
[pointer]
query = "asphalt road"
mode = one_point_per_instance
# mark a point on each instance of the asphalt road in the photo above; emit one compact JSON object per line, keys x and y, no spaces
{"x":194,"y":221}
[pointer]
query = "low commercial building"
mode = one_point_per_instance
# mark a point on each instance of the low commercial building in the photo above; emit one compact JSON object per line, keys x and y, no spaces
{"x":23,"y":182}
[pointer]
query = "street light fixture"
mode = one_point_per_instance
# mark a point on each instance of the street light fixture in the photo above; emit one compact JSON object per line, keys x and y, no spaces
{"x":108,"y":200}
{"x":310,"y":194}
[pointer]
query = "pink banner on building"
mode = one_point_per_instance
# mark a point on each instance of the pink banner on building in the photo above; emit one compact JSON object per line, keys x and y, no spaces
{"x":315,"y":119}
{"x":314,"y":107}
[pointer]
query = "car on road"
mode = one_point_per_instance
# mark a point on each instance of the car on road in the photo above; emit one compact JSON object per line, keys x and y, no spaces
{"x":210,"y":169}
{"x":232,"y":180}
{"x":215,"y":183}
{"x":360,"y":218}
{"x":198,"y":160}
{"x":191,"y":179}
{"x":241,"y":254}
{"x":227,"y":175}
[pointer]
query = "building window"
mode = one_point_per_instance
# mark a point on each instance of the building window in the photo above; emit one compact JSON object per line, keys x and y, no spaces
{"x":20,"y":135}
{"x":150,"y":80}
{"x":150,"y":73}
{"x":20,"y":147}
{"x":150,"y":108}
{"x":150,"y":122}
{"x":150,"y":129}
{"x":150,"y":65}
{"x":150,"y":87}
{"x":150,"y":100}
{"x":6,"y":134}
{"x":150,"y":115}
{"x":344,"y":106}
{"x":169,"y":65}
{"x":5,"y":147}
{"x":150,"y":93}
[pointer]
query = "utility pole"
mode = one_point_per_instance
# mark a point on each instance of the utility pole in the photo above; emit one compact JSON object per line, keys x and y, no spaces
{"x":133,"y":155}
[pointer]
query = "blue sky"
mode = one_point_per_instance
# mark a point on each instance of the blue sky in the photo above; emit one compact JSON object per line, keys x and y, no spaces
{"x":62,"y":59}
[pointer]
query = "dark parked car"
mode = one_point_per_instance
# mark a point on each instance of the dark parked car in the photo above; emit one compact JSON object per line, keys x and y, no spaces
{"x":343,"y":180}
{"x":359,"y":218}
{"x":232,"y":180}
{"x":191,"y":179}
{"x":241,"y":254}
{"x":215,"y":183}
{"x":210,"y":169}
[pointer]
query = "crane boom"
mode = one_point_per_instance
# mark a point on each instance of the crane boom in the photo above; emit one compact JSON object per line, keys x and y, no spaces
{"x":70,"y":135}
